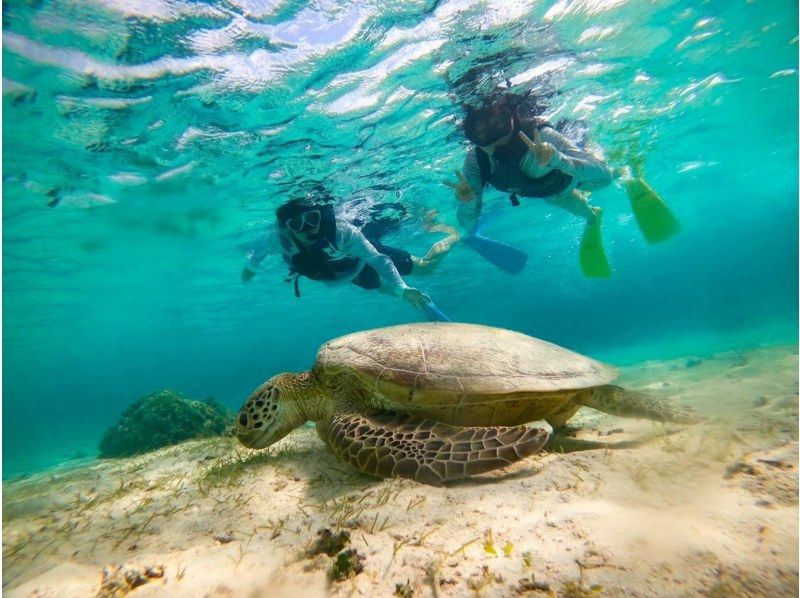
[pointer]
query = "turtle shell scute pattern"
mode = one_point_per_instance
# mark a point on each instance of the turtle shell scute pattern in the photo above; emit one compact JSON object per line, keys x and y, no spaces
{"x":460,"y":359}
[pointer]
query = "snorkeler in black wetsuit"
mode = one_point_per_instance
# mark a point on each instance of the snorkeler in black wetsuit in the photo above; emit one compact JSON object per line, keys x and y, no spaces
{"x":315,"y":243}
{"x":523,"y":155}
{"x":526,"y":157}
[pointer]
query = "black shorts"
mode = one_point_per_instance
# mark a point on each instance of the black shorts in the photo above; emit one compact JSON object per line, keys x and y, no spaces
{"x":369,"y":278}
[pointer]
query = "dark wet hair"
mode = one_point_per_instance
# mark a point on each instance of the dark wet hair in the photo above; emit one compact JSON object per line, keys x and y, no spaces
{"x":485,"y":124}
{"x":488,"y":123}
{"x":292,"y":208}
{"x":308,"y":196}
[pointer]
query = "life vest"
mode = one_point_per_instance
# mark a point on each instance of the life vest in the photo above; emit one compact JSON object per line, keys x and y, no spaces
{"x":316,"y":261}
{"x":507,"y":174}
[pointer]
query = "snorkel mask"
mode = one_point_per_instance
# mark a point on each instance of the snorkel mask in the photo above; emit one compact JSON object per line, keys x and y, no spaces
{"x":306,"y":218}
{"x":307,"y":222}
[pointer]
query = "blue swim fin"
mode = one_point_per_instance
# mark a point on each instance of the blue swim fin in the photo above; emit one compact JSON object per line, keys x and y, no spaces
{"x":433,"y":313}
{"x":504,"y":256}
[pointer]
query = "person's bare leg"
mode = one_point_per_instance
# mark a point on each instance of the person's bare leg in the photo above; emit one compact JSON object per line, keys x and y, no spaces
{"x":427,"y":265}
{"x":431,"y":224}
{"x":576,"y":203}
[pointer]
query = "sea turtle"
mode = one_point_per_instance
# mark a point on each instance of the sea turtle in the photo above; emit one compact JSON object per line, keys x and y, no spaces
{"x":438,"y":402}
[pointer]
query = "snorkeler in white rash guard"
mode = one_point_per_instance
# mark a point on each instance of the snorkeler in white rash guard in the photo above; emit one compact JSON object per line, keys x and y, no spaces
{"x":526,"y":156}
{"x":522,"y":154}
{"x":316,"y":244}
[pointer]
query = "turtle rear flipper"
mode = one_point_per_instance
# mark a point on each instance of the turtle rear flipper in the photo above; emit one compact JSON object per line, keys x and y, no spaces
{"x":626,"y":403}
{"x":391,"y":444}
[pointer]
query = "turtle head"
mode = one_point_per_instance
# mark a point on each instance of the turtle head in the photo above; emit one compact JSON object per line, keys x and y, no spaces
{"x":272,"y":411}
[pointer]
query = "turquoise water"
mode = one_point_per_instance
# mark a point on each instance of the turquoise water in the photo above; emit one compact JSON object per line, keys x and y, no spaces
{"x":171,"y":131}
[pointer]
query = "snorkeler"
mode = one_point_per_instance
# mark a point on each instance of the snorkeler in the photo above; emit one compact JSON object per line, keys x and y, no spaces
{"x":316,"y":244}
{"x":525,"y":156}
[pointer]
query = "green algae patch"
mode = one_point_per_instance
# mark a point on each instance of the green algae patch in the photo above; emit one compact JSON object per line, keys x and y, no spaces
{"x":162,"y":419}
{"x":348,"y":563}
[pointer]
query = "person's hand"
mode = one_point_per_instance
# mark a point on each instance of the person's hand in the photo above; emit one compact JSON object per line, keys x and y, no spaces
{"x":462,"y":187}
{"x":416,"y":297}
{"x":247,"y":274}
{"x":542,"y":152}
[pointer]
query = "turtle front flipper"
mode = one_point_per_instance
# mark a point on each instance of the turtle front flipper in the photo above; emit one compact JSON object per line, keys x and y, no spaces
{"x":627,"y":403}
{"x":398,"y":445}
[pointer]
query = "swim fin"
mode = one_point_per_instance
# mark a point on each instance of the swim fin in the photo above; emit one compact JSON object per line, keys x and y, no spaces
{"x":654,"y":218}
{"x":594,"y":263}
{"x":433,"y":313}
{"x":504,"y":256}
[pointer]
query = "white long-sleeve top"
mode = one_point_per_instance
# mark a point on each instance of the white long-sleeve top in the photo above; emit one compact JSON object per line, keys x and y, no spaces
{"x":587,"y":171}
{"x":350,"y":242}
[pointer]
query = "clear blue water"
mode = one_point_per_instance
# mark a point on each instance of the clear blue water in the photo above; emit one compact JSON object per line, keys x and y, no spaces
{"x":172,"y":130}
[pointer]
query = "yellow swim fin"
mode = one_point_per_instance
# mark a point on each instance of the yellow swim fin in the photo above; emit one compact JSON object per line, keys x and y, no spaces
{"x":655,"y":219}
{"x":594,"y":263}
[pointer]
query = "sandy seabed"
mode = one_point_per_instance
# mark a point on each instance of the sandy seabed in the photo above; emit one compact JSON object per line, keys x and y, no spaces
{"x":614,"y":508}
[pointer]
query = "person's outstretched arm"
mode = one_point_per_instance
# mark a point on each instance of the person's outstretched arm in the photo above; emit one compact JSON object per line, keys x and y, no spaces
{"x":587,"y":170}
{"x":353,"y":242}
{"x":257,"y":251}
{"x":468,"y":189}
